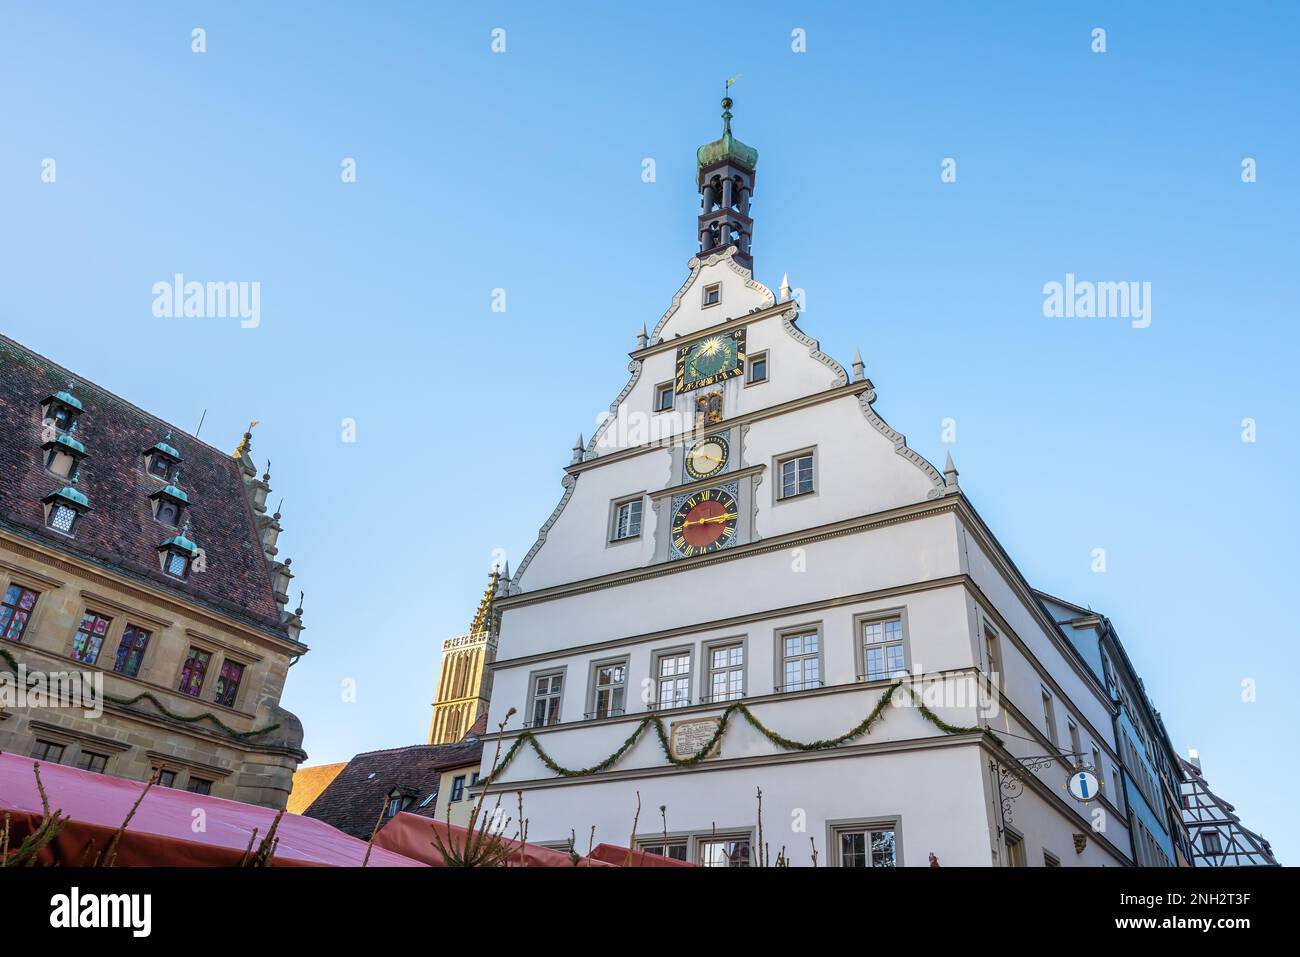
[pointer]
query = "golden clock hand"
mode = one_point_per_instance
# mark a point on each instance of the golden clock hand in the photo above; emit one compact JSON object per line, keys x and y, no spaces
{"x":716,"y":518}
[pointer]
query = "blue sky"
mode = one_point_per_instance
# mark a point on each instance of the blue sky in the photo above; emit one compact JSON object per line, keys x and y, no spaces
{"x":522,"y":171}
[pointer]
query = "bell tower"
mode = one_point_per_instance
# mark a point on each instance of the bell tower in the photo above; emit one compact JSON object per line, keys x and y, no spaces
{"x":725,"y":175}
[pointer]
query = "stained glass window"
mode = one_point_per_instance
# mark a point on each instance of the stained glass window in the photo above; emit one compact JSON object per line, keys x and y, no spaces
{"x":130,"y":653}
{"x":196,"y":666}
{"x":15,"y":610}
{"x":62,"y":518}
{"x":228,"y":683}
{"x":882,"y":649}
{"x":89,"y":638}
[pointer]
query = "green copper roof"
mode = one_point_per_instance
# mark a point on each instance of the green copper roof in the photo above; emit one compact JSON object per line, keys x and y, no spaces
{"x":68,"y":399}
{"x":171,"y":491}
{"x":181,"y":542}
{"x":726,"y":147}
{"x":71,"y":443}
{"x":166,"y":449}
{"x":71,"y":495}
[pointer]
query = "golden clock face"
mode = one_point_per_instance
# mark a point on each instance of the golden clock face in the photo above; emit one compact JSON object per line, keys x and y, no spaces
{"x":707,"y":457}
{"x":713,"y":359}
{"x":705,"y":522}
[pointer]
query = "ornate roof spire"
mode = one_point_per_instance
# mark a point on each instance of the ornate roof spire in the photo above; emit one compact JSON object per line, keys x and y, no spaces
{"x":725,"y":175}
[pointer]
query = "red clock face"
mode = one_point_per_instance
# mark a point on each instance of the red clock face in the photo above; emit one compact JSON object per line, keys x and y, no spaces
{"x":705,"y":522}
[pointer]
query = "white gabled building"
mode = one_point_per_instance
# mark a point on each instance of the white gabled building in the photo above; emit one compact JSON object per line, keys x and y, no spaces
{"x":745,"y":529}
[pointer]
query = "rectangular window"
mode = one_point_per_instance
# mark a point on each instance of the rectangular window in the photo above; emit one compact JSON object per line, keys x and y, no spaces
{"x":627,"y":519}
{"x":796,"y":475}
{"x":1211,"y":842}
{"x":1015,"y":850}
{"x":801,"y":665}
{"x":50,"y":751}
{"x":199,"y":785}
{"x":723,"y":852}
{"x":196,"y":666}
{"x":1096,"y":761}
{"x":676,"y":850}
{"x":232,"y":672}
{"x":89,"y":638}
{"x":883,"y":654}
{"x":548,"y":689}
{"x":15,"y":611}
{"x":166,"y":779}
{"x":756,"y":371}
{"x":609,"y":690}
{"x":457,"y":788}
{"x":1076,"y":749}
{"x":1049,"y":717}
{"x":664,"y":397}
{"x":130,"y":653}
{"x":866,"y":847}
{"x":89,"y":761}
{"x":726,"y":672}
{"x":712,"y":294}
{"x":1116,"y":797}
{"x":991,"y":656}
{"x":673,"y":679}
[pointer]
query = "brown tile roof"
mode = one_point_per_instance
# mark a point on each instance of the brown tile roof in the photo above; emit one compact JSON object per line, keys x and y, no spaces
{"x":119,"y":532}
{"x":308,"y":783}
{"x":352,"y":800}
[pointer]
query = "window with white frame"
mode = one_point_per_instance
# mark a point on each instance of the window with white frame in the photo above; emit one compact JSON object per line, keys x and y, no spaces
{"x":712,"y":294}
{"x":1015,"y":845}
{"x":1076,"y":749}
{"x":991,"y":657}
{"x":796,"y":475}
{"x":865,"y":845}
{"x":883,"y":651}
{"x":673,"y":679}
{"x":548,"y":689}
{"x":664,"y":397}
{"x":627,"y":519}
{"x":609,"y":689}
{"x":756,"y":369}
{"x":674,"y":849}
{"x":801,"y":662}
{"x":726,"y":672}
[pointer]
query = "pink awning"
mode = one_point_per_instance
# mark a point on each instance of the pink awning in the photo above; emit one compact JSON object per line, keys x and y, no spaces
{"x":163,"y":831}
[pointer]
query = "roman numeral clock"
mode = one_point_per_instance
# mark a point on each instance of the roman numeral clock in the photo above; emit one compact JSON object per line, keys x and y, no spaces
{"x":711,"y":507}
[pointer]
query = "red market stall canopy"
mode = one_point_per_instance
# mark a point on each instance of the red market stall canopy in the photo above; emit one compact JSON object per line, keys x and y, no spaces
{"x":413,"y":836}
{"x":163,"y":831}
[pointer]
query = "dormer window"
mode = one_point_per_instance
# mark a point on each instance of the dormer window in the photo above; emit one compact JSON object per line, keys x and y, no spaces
{"x":61,"y":409}
{"x":176,"y":555}
{"x":64,"y":508}
{"x":160,"y":460}
{"x":169,"y":505}
{"x":63,"y":453}
{"x":399,"y":799}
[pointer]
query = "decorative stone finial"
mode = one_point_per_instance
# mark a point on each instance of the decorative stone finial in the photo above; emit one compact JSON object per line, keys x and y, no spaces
{"x":859,"y":368}
{"x":785,"y":287}
{"x":578,"y":448}
{"x":643,"y":338}
{"x":949,"y":473}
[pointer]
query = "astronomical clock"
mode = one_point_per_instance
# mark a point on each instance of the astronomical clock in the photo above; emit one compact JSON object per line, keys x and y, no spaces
{"x":710,"y":360}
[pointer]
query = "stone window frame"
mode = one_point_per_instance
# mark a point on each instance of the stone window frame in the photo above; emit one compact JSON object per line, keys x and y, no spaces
{"x":41,"y":586}
{"x":593,"y":670}
{"x":852,"y":825}
{"x":702,"y":838}
{"x":778,"y":657}
{"x":859,"y":643}
{"x":751,"y":361}
{"x":704,"y":295}
{"x":615,"y":506}
{"x":563,"y":672}
{"x":780,"y":460}
{"x":672,"y":651}
{"x":668,"y":388}
{"x":706,"y":667}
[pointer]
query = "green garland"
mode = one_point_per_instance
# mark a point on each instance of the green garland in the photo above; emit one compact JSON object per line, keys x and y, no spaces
{"x":529,"y":738}
{"x":147,"y":696}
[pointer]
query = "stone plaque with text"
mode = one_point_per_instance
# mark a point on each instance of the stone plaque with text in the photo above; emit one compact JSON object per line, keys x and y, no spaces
{"x":688,"y":738}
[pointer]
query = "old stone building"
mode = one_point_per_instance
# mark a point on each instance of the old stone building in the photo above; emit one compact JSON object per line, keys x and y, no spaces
{"x":143,"y":561}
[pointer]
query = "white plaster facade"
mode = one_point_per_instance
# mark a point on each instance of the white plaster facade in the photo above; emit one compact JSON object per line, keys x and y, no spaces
{"x":883,"y":534}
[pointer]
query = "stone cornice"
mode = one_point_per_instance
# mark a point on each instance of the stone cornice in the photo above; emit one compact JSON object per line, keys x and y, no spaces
{"x":68,"y":565}
{"x":819,"y":533}
{"x":669,"y":345}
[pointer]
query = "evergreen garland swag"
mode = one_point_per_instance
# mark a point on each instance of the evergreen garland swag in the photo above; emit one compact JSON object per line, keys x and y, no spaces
{"x":735,"y":708}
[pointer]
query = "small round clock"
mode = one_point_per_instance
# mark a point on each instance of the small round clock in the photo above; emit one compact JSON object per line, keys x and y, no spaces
{"x":705,"y":522}
{"x":707,"y":457}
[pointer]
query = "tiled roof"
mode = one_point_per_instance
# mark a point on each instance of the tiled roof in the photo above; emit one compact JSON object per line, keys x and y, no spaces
{"x":119,"y":531}
{"x":308,"y":783}
{"x":352,"y":800}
